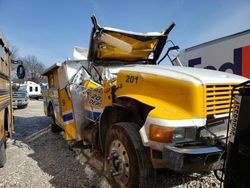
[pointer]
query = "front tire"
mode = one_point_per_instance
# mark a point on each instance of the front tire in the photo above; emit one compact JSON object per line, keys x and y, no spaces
{"x":126,"y":159}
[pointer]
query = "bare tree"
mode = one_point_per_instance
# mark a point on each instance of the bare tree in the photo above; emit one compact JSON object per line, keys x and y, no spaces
{"x":34,"y":69}
{"x":14,"y":53}
{"x":15,"y":56}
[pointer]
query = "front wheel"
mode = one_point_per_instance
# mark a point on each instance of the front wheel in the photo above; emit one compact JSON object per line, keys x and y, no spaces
{"x":127,"y":160}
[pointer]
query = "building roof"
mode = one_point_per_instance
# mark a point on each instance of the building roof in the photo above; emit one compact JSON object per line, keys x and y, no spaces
{"x":218,"y":40}
{"x":3,"y":42}
{"x":55,"y":66}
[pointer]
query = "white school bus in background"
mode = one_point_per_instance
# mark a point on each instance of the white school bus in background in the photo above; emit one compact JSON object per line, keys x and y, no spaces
{"x":34,"y":90}
{"x":227,"y":54}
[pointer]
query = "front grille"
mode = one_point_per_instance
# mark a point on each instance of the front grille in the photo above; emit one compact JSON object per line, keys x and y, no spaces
{"x":218,"y":98}
{"x":18,"y":96}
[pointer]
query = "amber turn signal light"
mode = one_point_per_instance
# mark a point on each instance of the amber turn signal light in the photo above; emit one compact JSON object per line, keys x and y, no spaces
{"x":161,"y":134}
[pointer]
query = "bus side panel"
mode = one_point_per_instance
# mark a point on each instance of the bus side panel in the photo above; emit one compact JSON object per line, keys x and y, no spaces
{"x":54,"y":99}
{"x":10,"y":120}
{"x":45,"y":102}
{"x":2,"y":131}
{"x":67,"y":116}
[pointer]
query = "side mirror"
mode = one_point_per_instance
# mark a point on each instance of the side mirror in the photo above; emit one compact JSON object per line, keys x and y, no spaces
{"x":20,"y":72}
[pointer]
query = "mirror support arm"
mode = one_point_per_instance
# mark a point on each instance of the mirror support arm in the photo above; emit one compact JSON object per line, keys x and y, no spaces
{"x":17,"y":62}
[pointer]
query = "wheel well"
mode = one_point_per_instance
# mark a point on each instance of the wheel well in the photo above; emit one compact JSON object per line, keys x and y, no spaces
{"x":131,"y":110}
{"x":124,"y":110}
{"x":49,"y":108}
{"x":6,"y":120}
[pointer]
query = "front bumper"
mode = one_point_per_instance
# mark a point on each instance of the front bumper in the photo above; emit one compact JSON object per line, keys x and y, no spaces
{"x":33,"y":96}
{"x":193,"y":158}
{"x":19,"y":102}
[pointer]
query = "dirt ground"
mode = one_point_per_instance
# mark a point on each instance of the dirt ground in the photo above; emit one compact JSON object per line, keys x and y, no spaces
{"x":36,"y":157}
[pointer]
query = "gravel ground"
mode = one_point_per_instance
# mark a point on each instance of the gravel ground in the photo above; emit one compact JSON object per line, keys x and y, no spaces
{"x":36,"y":157}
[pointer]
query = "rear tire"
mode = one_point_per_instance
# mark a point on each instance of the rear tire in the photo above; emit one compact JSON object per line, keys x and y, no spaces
{"x":3,"y":154}
{"x":126,"y":159}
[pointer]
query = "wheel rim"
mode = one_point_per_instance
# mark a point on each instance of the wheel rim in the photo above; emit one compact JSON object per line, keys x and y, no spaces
{"x":118,"y":162}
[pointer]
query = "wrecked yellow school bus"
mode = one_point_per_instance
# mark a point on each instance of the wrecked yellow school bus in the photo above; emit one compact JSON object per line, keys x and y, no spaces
{"x":6,"y":110}
{"x":6,"y":116}
{"x":140,"y":115}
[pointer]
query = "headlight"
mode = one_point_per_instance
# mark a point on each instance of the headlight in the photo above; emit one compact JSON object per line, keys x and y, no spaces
{"x":184,"y":134}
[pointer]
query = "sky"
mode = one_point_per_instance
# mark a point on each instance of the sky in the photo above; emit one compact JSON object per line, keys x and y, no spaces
{"x":49,"y":29}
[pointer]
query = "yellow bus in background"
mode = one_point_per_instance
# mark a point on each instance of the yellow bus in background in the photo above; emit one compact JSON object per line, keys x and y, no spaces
{"x":6,"y":113}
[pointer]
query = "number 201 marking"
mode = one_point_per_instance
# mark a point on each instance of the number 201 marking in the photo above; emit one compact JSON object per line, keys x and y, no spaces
{"x":132,"y":79}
